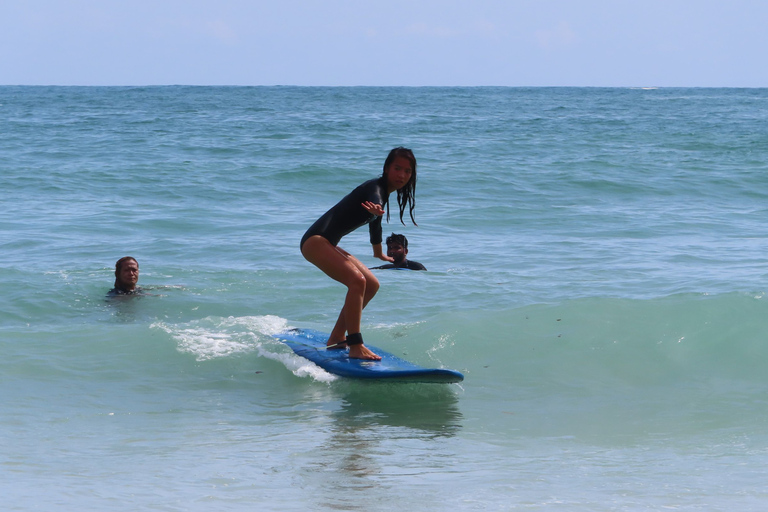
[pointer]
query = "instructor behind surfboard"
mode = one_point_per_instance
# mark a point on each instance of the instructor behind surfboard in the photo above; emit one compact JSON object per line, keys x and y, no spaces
{"x":364,"y":205}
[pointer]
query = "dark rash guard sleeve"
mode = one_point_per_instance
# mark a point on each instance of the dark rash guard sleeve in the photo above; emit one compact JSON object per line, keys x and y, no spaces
{"x":374,"y":229}
{"x":348,"y":214}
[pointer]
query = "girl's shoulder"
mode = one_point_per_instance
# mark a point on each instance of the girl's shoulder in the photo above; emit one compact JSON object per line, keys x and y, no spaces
{"x":380,"y":181}
{"x":375,"y":185}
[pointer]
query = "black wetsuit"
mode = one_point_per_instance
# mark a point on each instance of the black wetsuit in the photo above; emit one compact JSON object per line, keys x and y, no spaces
{"x":410,"y":265}
{"x":348,"y":214}
{"x":118,"y":291}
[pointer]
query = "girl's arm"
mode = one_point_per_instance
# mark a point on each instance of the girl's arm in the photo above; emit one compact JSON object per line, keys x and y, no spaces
{"x":378,"y":210}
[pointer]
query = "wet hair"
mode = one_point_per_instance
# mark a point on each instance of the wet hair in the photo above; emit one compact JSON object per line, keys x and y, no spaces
{"x":397,"y":239}
{"x":407,"y":194}
{"x":119,"y":266}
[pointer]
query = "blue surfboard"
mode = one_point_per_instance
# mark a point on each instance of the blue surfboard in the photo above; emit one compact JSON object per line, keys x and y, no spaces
{"x":311,"y":345}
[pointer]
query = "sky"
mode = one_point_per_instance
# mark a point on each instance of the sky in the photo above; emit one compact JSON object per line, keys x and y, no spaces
{"x":611,"y":43}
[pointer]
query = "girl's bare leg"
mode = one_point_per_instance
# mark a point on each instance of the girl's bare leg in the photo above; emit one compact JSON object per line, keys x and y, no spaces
{"x":361,"y":285}
{"x":371,"y":287}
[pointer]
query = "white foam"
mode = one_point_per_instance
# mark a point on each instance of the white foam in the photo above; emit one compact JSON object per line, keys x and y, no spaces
{"x":215,"y":337}
{"x":218,"y":337}
{"x":298,"y":365}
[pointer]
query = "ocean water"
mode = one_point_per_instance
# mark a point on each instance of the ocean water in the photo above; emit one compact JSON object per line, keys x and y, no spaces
{"x":597,"y":270}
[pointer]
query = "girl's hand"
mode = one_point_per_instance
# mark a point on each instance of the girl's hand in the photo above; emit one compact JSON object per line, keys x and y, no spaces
{"x":378,"y":252}
{"x":374,"y":208}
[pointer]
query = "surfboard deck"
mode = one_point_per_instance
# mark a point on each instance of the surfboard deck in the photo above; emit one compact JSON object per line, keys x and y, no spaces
{"x":310,"y":345}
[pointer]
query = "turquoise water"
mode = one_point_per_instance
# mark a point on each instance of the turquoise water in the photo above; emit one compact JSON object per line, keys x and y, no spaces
{"x":596,"y":270}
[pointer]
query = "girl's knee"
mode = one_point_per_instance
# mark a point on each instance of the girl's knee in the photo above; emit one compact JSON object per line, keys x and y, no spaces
{"x":372,"y":286}
{"x":357,"y":283}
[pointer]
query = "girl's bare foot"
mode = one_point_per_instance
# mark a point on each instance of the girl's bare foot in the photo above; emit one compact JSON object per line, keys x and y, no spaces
{"x":361,"y":352}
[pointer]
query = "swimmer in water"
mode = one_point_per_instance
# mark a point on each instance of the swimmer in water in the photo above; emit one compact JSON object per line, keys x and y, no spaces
{"x":364,"y":205}
{"x":126,"y":277}
{"x":397,"y":249}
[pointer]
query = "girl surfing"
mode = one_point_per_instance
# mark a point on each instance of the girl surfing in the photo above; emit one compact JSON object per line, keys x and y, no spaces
{"x":364,"y":205}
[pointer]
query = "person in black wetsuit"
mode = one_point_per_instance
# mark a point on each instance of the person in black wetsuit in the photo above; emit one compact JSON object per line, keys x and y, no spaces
{"x":364,"y":205}
{"x":397,"y":249}
{"x":126,"y":277}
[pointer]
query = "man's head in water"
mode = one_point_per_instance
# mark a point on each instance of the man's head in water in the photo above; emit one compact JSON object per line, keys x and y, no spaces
{"x":397,"y":248}
{"x":126,"y":274}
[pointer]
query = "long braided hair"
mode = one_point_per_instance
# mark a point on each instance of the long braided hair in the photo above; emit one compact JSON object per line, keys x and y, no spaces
{"x":407,"y":194}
